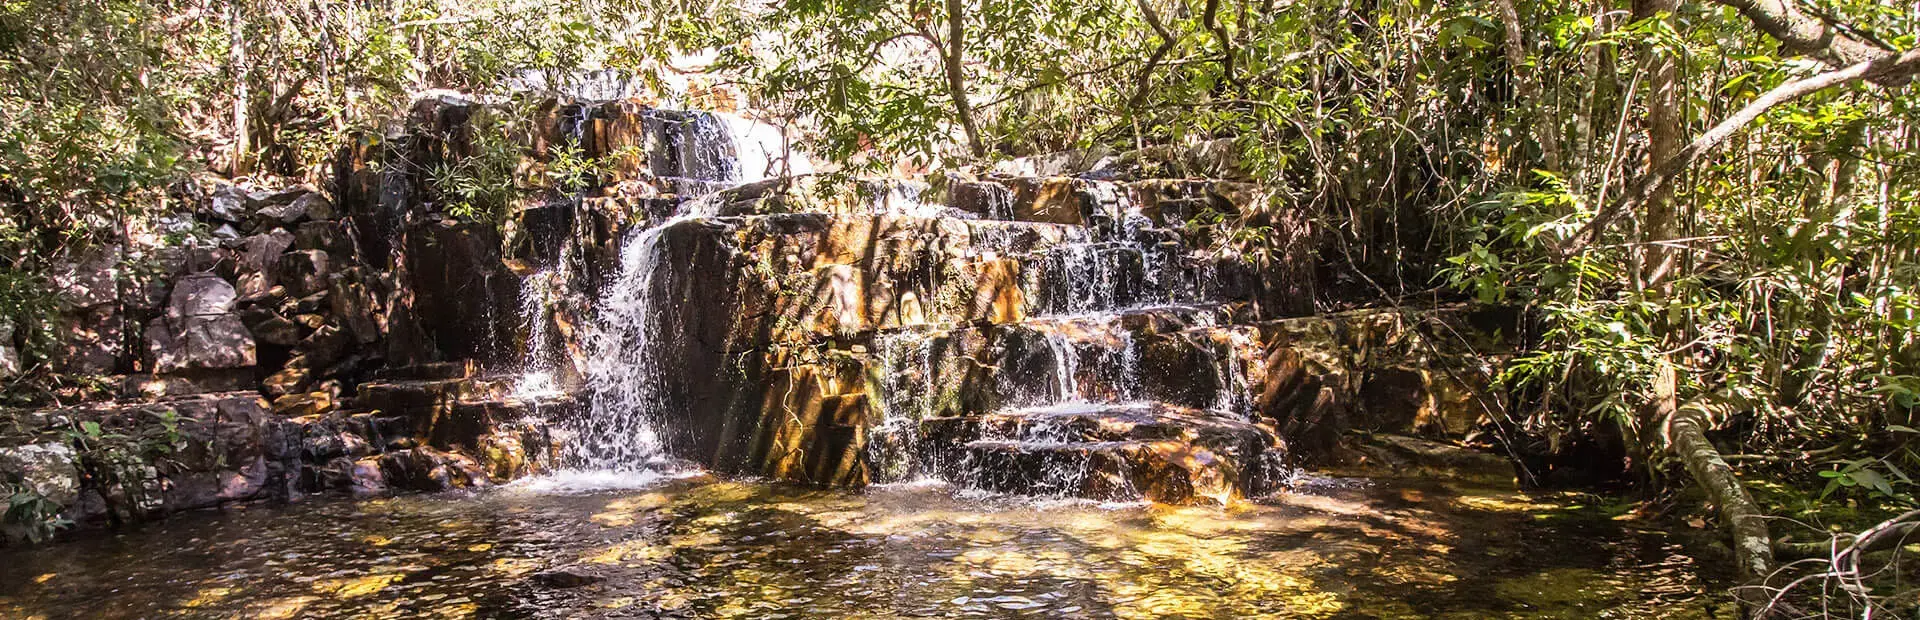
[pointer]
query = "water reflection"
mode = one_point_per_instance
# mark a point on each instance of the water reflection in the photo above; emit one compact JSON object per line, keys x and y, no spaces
{"x":698,"y":548}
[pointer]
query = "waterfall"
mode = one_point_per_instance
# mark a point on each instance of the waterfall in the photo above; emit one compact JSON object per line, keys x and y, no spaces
{"x":536,"y":305}
{"x":616,"y":443}
{"x":624,"y":365}
{"x":633,"y":346}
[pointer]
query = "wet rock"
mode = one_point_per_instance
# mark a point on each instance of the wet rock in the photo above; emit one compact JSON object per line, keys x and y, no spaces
{"x":518,"y":449}
{"x":1404,"y":455}
{"x":464,"y":299}
{"x":304,"y":404}
{"x":204,"y":489}
{"x":812,"y":427}
{"x":985,"y":199}
{"x":427,"y":469}
{"x":1117,"y":452}
{"x":367,"y":477}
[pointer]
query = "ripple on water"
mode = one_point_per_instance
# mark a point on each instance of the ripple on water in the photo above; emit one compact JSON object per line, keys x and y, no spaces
{"x":579,"y":544}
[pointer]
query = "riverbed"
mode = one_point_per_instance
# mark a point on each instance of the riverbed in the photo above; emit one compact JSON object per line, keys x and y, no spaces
{"x":704,"y":548}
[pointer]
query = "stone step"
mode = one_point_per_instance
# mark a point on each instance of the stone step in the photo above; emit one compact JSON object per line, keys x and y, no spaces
{"x":1169,"y":472}
{"x":1092,"y":422}
{"x":1180,"y":356}
{"x":1113,"y":451}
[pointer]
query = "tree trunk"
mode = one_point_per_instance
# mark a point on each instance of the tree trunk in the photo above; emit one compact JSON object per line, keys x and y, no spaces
{"x":237,"y":58}
{"x":1545,"y":134}
{"x":957,"y":79}
{"x":1659,"y":223}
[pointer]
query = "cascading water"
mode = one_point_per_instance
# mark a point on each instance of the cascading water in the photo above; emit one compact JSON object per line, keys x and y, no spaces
{"x":616,"y":442}
{"x":631,"y":349}
{"x":909,"y":394}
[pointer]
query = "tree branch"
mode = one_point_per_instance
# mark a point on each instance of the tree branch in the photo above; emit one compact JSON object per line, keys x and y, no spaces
{"x":1836,"y":46}
{"x":1901,"y":67}
{"x":1210,"y":17}
{"x":1145,"y":78}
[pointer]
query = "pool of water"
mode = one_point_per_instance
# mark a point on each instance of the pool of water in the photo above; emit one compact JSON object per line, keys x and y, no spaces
{"x":703,"y":548}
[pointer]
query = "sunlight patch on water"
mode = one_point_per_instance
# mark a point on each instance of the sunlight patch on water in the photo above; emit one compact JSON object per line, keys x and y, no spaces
{"x":1044,"y":502}
{"x":583,"y":481}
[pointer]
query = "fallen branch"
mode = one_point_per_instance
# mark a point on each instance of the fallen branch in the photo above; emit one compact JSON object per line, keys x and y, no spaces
{"x":1686,"y":437}
{"x":1844,"y":573}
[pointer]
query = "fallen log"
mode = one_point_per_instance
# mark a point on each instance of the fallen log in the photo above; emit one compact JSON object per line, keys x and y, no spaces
{"x":1686,"y":435}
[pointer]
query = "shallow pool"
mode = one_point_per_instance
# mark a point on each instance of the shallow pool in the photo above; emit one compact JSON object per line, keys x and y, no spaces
{"x":700,"y":548}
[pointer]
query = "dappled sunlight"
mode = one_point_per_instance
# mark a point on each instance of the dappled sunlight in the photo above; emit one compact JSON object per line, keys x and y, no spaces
{"x":753,"y":550}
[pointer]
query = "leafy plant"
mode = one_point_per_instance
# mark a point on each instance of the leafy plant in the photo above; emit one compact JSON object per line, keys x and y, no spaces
{"x":32,"y":513}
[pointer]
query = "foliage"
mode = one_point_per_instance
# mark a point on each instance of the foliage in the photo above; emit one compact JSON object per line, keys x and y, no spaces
{"x":125,"y":462}
{"x":36,"y":516}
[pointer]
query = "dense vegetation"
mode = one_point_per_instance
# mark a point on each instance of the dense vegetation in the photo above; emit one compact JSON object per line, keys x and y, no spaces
{"x":1711,"y":209}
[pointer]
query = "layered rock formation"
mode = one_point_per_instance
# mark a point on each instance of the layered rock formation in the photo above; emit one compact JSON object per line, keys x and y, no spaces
{"x":1096,"y":335}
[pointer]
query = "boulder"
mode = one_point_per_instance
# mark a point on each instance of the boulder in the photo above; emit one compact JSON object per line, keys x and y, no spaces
{"x":9,"y":354}
{"x":303,"y":272}
{"x":269,"y":327}
{"x":353,"y":305}
{"x":427,"y":469}
{"x":324,"y":235}
{"x":986,"y":199}
{"x":227,"y":203}
{"x":303,"y":404}
{"x":220,"y":341}
{"x":1126,"y":451}
{"x":88,"y":280}
{"x":293,"y":377}
{"x":45,"y":468}
{"x":202,"y":295}
{"x":367,"y":478}
{"x":89,"y":341}
{"x":261,"y":252}
{"x":189,"y":382}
